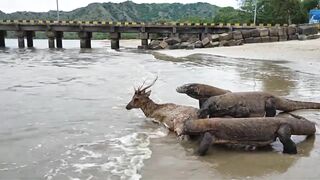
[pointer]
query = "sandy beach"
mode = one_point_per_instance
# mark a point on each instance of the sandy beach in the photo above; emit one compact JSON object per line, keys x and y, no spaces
{"x":280,"y":51}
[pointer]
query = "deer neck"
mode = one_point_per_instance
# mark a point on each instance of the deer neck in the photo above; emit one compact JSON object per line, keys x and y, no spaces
{"x":149,"y":107}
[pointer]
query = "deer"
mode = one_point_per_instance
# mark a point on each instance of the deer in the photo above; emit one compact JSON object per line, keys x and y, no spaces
{"x":172,"y":116}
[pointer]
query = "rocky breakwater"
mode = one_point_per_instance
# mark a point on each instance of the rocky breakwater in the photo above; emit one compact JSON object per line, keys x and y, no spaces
{"x":234,"y":38}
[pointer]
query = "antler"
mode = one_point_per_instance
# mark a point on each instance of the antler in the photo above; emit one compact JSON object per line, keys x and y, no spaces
{"x":154,"y":81}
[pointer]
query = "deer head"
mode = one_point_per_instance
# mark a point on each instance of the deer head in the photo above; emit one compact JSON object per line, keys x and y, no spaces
{"x":140,"y":97}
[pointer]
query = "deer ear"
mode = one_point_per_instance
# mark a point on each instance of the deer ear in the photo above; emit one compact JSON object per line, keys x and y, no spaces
{"x":148,"y":93}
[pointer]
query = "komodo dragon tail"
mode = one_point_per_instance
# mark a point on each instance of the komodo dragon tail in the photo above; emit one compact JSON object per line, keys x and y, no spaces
{"x":287,"y":105}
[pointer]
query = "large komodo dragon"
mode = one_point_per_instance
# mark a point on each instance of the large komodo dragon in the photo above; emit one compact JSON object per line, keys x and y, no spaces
{"x":170,"y":115}
{"x":249,"y":131}
{"x":241,"y":104}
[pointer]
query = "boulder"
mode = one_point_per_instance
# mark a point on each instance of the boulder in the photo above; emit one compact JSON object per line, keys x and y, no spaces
{"x":172,"y":40}
{"x":205,"y":41}
{"x":255,"y":33}
{"x":184,"y":37}
{"x":314,"y":36}
{"x":215,"y":37}
{"x":210,"y":45}
{"x":283,"y":38}
{"x":163,"y":44}
{"x":249,"y":40}
{"x":246,"y":34}
{"x":237,"y":35}
{"x":302,"y":37}
{"x":198,"y":44}
{"x":273,"y":38}
{"x":282,"y":31}
{"x":223,"y":43}
{"x":265,"y":39}
{"x":293,"y":37}
{"x":292,"y":30}
{"x":190,"y":46}
{"x":184,"y":45}
{"x":175,"y":46}
{"x":308,"y":30}
{"x":264,"y":32}
{"x":154,"y":42}
{"x":274,"y":31}
{"x":215,"y":44}
{"x":257,"y":40}
{"x":154,"y":45}
{"x":225,"y":37}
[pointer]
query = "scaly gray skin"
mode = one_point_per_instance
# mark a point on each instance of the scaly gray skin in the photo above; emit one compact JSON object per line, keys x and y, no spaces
{"x":250,"y":104}
{"x":249,"y":131}
{"x":201,"y":92}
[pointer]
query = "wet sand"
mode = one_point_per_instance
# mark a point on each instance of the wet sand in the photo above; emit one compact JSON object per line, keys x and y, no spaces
{"x":286,"y":69}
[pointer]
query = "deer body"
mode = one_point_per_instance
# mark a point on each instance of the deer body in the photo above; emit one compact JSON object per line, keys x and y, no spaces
{"x":170,"y":115}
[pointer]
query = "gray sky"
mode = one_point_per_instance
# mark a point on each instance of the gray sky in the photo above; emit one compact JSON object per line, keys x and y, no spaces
{"x":9,"y":6}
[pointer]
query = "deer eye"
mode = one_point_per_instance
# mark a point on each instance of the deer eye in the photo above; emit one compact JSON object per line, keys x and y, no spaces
{"x":135,"y":99}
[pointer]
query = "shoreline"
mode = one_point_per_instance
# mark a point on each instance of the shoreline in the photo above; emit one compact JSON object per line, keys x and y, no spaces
{"x":277,"y":51}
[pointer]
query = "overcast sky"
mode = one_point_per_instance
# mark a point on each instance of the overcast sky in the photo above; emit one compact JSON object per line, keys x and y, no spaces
{"x":9,"y":6}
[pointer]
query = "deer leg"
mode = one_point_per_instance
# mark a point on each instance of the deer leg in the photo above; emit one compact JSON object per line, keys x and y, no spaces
{"x":270,"y":108}
{"x":284,"y":134}
{"x":205,"y":144}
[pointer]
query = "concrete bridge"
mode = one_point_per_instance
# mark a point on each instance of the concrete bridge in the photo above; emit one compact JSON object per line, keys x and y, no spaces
{"x":55,"y":29}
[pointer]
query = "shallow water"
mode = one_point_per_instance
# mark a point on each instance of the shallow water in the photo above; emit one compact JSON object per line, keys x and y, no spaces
{"x":63,"y":115}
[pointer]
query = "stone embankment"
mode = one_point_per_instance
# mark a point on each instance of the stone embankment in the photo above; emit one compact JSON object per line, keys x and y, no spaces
{"x":234,"y":38}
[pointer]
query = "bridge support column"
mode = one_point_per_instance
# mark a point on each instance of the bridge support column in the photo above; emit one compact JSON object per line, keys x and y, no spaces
{"x":144,"y":40}
{"x":85,"y":39}
{"x":30,"y":35}
{"x":51,"y":35}
{"x":2,"y":38}
{"x":20,"y":35}
{"x":59,"y":36}
{"x":115,"y":37}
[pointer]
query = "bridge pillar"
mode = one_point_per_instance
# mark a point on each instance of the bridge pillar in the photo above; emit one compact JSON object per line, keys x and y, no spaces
{"x":85,"y":39}
{"x":59,"y":36}
{"x":30,"y":35}
{"x":20,"y":35}
{"x":115,"y":37}
{"x":51,"y":35}
{"x":2,"y":38}
{"x":144,"y":39}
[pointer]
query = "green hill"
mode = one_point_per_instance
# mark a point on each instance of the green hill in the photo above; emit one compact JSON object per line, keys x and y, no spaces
{"x":126,"y":11}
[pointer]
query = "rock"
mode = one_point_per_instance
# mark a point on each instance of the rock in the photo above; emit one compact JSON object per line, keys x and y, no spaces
{"x":264,"y":32}
{"x":249,"y":40}
{"x":172,"y":40}
{"x":194,"y":38}
{"x":190,"y":46}
{"x":215,"y":37}
{"x":184,"y":45}
{"x":210,"y":45}
{"x":184,"y":37}
{"x":215,"y":44}
{"x":292,"y":30}
{"x":255,"y":33}
{"x":282,"y":32}
{"x":163,"y":44}
{"x":225,"y":37}
{"x":237,"y":35}
{"x":154,"y":42}
{"x":205,"y":41}
{"x":257,"y":40}
{"x":246,"y":34}
{"x":273,"y":31}
{"x":314,"y":36}
{"x":274,"y":39}
{"x":265,"y":39}
{"x":302,"y":37}
{"x":175,"y":46}
{"x":293,"y":37}
{"x":308,"y":30}
{"x":223,"y":43}
{"x":198,"y":44}
{"x":283,"y":38}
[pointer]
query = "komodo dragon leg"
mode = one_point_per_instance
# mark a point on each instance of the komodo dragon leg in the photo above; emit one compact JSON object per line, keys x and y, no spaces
{"x":284,"y":134}
{"x":205,"y":144}
{"x":270,"y":108}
